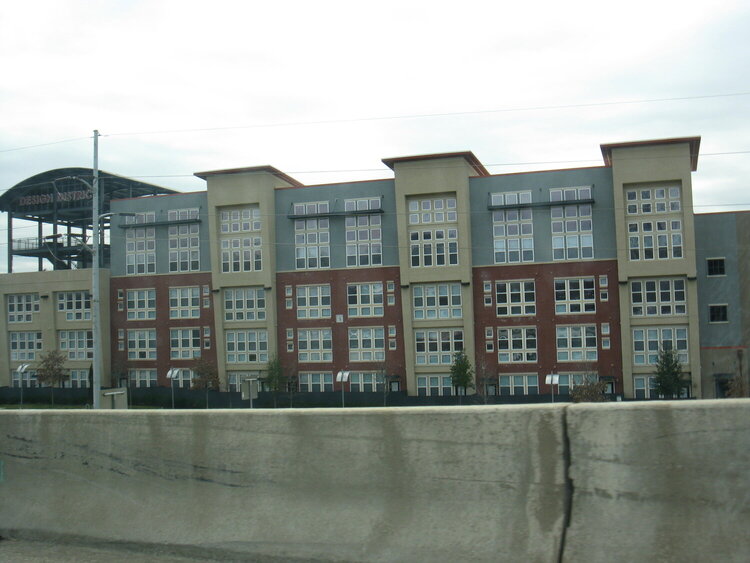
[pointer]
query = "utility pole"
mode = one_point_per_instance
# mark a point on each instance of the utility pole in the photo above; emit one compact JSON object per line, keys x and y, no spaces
{"x":95,"y":297}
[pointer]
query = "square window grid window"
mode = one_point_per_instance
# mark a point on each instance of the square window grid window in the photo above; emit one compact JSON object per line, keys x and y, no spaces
{"x":575,"y":296}
{"x":364,"y":234}
{"x":22,"y":306}
{"x":245,"y":304}
{"x":576,"y":343}
{"x":142,"y":344}
{"x":78,"y":379}
{"x":182,"y":378}
{"x":314,"y":345}
{"x":365,"y":381}
{"x":24,"y":345}
{"x":437,"y":301}
{"x":246,"y":346}
{"x":653,"y":200}
{"x":315,"y":382}
{"x":240,"y":239}
{"x":718,"y":313}
{"x":512,"y":229}
{"x":569,"y":381}
{"x":141,"y":304}
{"x":660,"y":297}
{"x":655,"y":240}
{"x":312,"y":243}
{"x":433,"y":247}
{"x":76,"y":344}
{"x":367,"y":344}
{"x":515,"y":298}
{"x":438,"y":347}
{"x":715,"y":267}
{"x":519,"y":384}
{"x":75,"y":304}
{"x":184,"y":248}
{"x":184,"y":302}
{"x":184,"y":343}
{"x":425,"y":211}
{"x":27,"y":378}
{"x":313,"y":301}
{"x":364,"y":299}
{"x":142,"y":377}
{"x":140,"y":244}
{"x":648,"y":342}
{"x":516,"y":345}
{"x":572,"y":224}
{"x":434,"y":385}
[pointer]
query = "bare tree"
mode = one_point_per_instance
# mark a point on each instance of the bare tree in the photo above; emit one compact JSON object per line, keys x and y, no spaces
{"x":51,"y":371}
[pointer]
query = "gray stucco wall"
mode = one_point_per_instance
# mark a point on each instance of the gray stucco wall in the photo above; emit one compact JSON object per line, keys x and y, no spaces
{"x":160,"y":205}
{"x":335,"y":194}
{"x":539,"y":183}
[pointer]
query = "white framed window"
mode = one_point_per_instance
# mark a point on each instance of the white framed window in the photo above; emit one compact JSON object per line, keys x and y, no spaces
{"x":425,"y":211}
{"x":183,"y":377}
{"x":437,"y":301}
{"x":140,"y":244}
{"x":78,"y":379}
{"x":141,"y":304}
{"x":314,"y":301}
{"x":364,"y":299}
{"x":75,"y":304}
{"x":184,"y":302}
{"x":572,"y":224}
{"x":515,"y":298}
{"x":142,"y":344}
{"x":718,"y":313}
{"x":512,"y":229}
{"x":367,"y":344}
{"x":184,"y":244}
{"x":576,"y":343}
{"x":314,"y":345}
{"x":76,"y":344}
{"x":644,"y":387}
{"x":364,"y":233}
{"x":655,"y":240}
{"x":516,"y":345}
{"x":184,"y":343}
{"x":27,"y":378}
{"x":240,"y":239}
{"x":244,"y":304}
{"x":575,"y":296}
{"x":569,"y":381}
{"x":24,"y":345}
{"x":659,"y":297}
{"x":246,"y":346}
{"x":312,"y":244}
{"x":22,"y":306}
{"x":438,"y":347}
{"x":142,"y":377}
{"x":647,"y":342}
{"x":433,"y":247}
{"x":518,"y":384}
{"x":365,"y":381}
{"x":315,"y":382}
{"x":434,"y":385}
{"x":653,"y":200}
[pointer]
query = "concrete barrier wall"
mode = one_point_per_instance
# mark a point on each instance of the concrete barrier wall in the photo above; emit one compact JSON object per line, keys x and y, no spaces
{"x":604,"y":482}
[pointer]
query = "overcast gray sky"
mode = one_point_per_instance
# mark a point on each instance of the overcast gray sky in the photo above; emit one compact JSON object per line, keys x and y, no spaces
{"x":325,"y":90}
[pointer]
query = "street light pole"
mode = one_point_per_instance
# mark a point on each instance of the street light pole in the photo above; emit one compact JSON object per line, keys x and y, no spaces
{"x":95,"y":294}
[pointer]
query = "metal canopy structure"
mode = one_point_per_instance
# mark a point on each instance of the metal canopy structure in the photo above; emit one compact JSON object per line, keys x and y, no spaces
{"x":62,"y":199}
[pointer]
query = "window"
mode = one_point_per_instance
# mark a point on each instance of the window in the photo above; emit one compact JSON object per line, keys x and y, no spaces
{"x":437,"y":301}
{"x":569,"y":381}
{"x":515,"y":298}
{"x":364,"y":299}
{"x":516,"y":345}
{"x":364,"y":234}
{"x":572,"y":225}
{"x":77,"y":344}
{"x":315,"y":382}
{"x":79,"y":379}
{"x":245,"y":304}
{"x":311,"y":236}
{"x":644,"y":387}
{"x":182,"y":378}
{"x":28,"y":378}
{"x":575,"y":296}
{"x":365,"y":382}
{"x":653,"y":200}
{"x":142,"y":377}
{"x":433,"y":246}
{"x":142,"y":344}
{"x":24,"y":345}
{"x":658,"y":297}
{"x":184,"y":302}
{"x":652,"y":240}
{"x":519,"y":384}
{"x":576,"y":343}
{"x":140,"y":244}
{"x":75,"y":304}
{"x":184,"y":245}
{"x":437,"y":347}
{"x":22,"y":306}
{"x":512,"y":229}
{"x":367,"y":344}
{"x":717,"y":314}
{"x":240,"y":239}
{"x":141,"y":304}
{"x":184,"y":343}
{"x":647,"y":342}
{"x":313,"y":301}
{"x":246,"y":346}
{"x":715,"y":267}
{"x":314,"y":345}
{"x":434,"y":385}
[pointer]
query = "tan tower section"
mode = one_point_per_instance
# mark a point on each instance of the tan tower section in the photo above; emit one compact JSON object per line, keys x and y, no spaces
{"x":432,"y":201}
{"x":656,"y":256}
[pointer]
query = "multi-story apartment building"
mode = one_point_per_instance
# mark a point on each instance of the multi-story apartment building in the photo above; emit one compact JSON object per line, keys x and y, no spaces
{"x":585,"y":272}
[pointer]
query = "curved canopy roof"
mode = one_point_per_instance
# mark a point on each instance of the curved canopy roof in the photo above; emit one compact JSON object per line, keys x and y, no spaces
{"x":64,"y":195}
